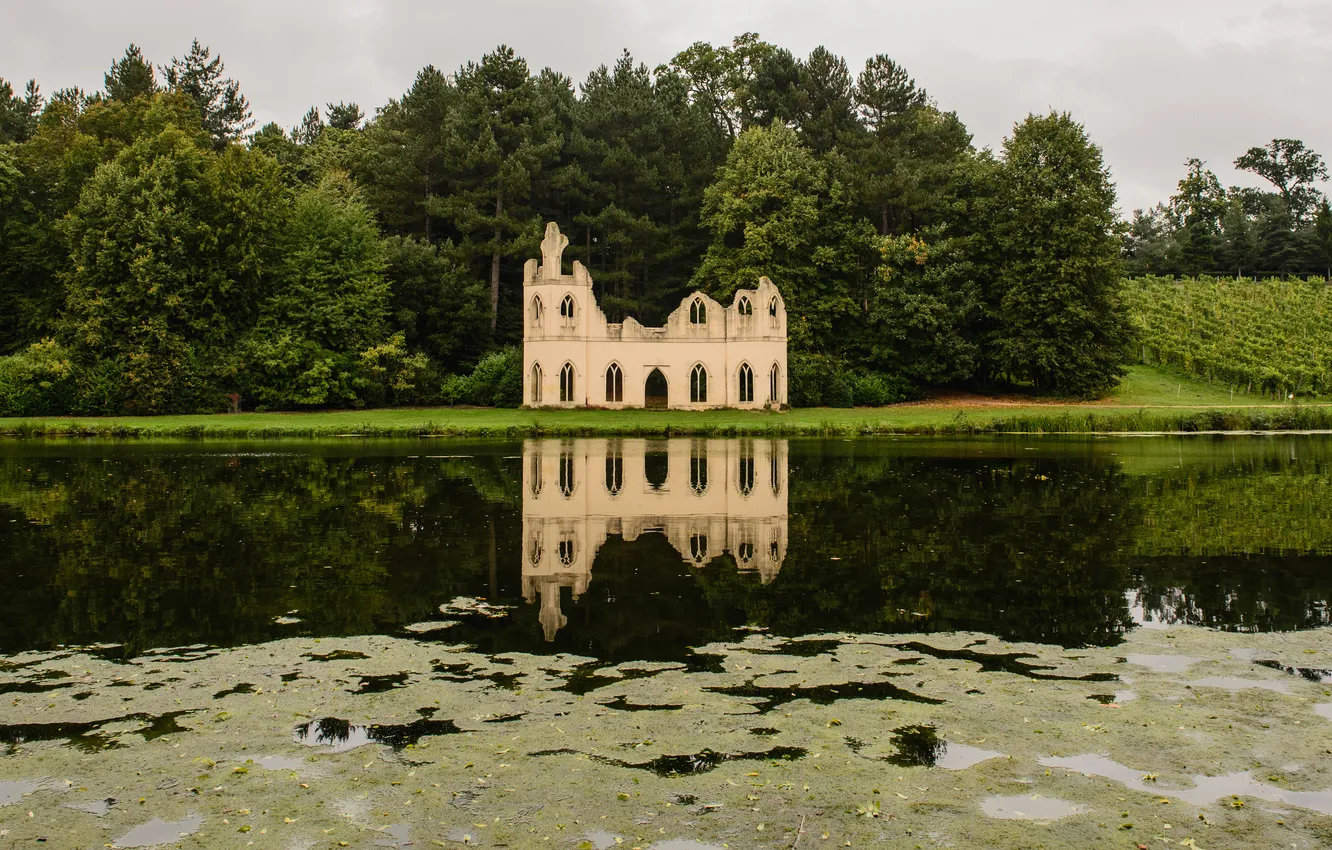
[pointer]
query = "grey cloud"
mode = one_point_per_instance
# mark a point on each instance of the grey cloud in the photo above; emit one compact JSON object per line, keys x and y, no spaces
{"x":1154,"y":81}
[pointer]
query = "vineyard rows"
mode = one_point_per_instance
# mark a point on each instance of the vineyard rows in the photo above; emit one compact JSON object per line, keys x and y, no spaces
{"x":1269,"y":337}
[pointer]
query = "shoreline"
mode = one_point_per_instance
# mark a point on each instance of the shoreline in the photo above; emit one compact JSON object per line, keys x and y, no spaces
{"x":904,"y":420}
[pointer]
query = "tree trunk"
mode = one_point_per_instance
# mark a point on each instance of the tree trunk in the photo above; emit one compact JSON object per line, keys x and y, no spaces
{"x":883,"y":209}
{"x":495,"y":269}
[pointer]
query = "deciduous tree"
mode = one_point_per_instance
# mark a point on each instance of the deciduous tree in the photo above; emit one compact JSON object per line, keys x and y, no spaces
{"x":1058,"y":321}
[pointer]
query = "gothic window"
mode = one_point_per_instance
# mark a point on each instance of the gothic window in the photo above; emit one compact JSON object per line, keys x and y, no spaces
{"x":534,"y":551}
{"x":567,"y":311}
{"x":698,"y":467}
{"x":536,"y":383}
{"x":698,"y":312}
{"x":746,"y":383}
{"x":745,"y":552}
{"x":772,"y":311}
{"x":536,"y":311}
{"x":775,"y":474}
{"x":698,"y":384}
{"x":774,"y":553}
{"x":744,"y":307}
{"x":614,"y":383}
{"x":773,"y":385}
{"x":614,"y":470}
{"x":746,"y":480}
{"x":567,"y":382}
{"x":566,"y":551}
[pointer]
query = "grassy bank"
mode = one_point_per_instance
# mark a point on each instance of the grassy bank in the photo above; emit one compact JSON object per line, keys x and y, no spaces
{"x":1147,"y":401}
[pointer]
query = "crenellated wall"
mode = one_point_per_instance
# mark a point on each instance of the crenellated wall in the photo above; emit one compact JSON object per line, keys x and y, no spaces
{"x":564,"y":326}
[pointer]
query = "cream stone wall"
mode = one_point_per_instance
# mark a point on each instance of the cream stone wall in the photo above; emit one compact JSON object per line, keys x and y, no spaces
{"x":750,"y":332}
{"x":708,"y":497}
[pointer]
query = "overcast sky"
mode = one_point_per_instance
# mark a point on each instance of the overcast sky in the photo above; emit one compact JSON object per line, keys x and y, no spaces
{"x":1154,"y":81}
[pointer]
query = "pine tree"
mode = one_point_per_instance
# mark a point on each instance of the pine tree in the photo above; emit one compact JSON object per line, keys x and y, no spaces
{"x":345,"y":116}
{"x":401,"y":159}
{"x":500,"y":136}
{"x":307,"y":133}
{"x":130,"y":76}
{"x":827,"y":107}
{"x":18,"y":115}
{"x":225,"y":111}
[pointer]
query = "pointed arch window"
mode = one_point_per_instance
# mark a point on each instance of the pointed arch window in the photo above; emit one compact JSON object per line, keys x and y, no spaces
{"x":772,"y":312}
{"x":567,"y":311}
{"x":746,"y":383}
{"x":774,"y":384}
{"x":534,"y":550}
{"x":567,"y":382}
{"x":698,"y":312}
{"x":698,"y":384}
{"x":745,"y":552}
{"x":745,"y":308}
{"x":614,"y":383}
{"x":536,"y":383}
{"x":537,"y":311}
{"x":775,"y":474}
{"x":566,"y":551}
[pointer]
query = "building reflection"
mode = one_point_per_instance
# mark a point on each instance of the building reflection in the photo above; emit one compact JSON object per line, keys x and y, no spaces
{"x":707,"y":497}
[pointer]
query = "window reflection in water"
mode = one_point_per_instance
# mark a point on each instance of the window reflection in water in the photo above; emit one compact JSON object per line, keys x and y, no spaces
{"x":614,"y":469}
{"x":700,"y":523}
{"x":746,"y":479}
{"x":566,"y":472}
{"x":698,"y":546}
{"x":698,"y":467}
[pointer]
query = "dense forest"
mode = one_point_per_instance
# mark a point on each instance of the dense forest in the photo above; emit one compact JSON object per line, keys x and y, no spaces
{"x":158,"y":253}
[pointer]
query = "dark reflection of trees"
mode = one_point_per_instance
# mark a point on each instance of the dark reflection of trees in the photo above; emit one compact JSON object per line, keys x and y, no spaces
{"x":1262,"y":591}
{"x":1025,"y":548}
{"x":149,"y":549}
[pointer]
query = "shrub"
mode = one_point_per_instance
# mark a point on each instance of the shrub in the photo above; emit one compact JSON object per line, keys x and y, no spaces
{"x":817,"y":380}
{"x":37,"y":382}
{"x":497,"y":381}
{"x":873,"y":389}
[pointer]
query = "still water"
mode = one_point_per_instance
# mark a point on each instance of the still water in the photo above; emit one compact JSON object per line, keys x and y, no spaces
{"x":667,"y":643}
{"x":639,"y":549}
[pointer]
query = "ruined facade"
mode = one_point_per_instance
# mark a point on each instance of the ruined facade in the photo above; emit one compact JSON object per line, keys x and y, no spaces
{"x":707,"y":355}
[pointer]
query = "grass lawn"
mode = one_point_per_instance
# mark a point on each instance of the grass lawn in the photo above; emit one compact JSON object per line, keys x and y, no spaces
{"x":1147,"y":400}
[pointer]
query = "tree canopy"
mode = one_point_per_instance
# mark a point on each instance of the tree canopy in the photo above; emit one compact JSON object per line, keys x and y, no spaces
{"x":165,"y":255}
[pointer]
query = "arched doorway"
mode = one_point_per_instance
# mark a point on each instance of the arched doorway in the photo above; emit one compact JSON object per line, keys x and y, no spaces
{"x":654,"y":391}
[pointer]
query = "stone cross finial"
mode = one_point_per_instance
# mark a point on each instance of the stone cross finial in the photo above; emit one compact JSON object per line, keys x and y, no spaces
{"x":552,"y":248}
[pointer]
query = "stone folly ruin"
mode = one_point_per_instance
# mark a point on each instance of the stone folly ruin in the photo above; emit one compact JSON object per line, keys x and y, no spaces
{"x":708,"y":355}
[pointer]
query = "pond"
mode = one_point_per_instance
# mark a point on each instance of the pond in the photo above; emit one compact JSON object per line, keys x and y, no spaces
{"x":729,"y":642}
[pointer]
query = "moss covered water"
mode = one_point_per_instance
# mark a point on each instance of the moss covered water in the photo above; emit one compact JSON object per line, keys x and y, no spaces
{"x":886,"y":643}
